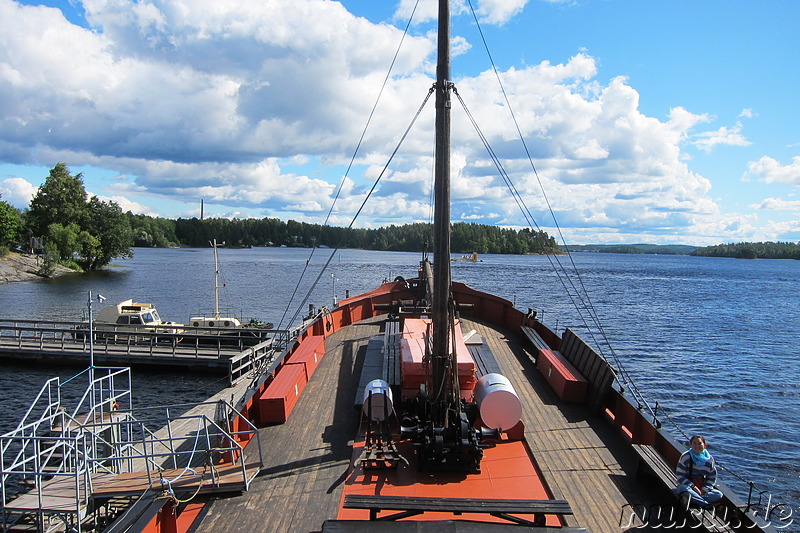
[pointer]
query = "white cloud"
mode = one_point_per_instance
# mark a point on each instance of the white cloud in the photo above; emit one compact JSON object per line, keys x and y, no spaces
{"x":499,"y":11}
{"x":770,"y":170}
{"x":724,"y":136}
{"x":129,"y":205}
{"x":747,"y":113}
{"x":778,"y":204}
{"x":257,"y":105}
{"x":17,"y":192}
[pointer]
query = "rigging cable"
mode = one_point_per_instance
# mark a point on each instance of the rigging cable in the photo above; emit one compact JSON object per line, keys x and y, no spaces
{"x":584,"y":292}
{"x":364,"y":202}
{"x":346,"y":175}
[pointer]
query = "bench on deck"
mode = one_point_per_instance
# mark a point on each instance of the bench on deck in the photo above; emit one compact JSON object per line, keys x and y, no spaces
{"x":414,"y":505}
{"x":568,"y":384}
{"x":536,"y":340}
{"x":650,"y":461}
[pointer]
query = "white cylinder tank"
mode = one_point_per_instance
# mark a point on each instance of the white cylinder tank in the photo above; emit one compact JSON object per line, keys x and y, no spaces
{"x":498,"y":402}
{"x":381,"y":405}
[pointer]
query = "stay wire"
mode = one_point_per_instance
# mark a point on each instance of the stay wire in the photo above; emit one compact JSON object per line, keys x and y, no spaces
{"x":349,"y":167}
{"x":560,"y":271}
{"x":366,"y":198}
{"x":588,"y":304}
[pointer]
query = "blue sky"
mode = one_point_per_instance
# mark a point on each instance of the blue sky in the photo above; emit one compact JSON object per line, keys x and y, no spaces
{"x":666,"y":122}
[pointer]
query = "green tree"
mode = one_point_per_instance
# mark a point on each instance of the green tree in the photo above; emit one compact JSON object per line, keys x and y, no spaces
{"x":10,"y":224}
{"x":95,"y":231}
{"x":61,"y":199}
{"x":110,"y":234}
{"x":64,"y":243}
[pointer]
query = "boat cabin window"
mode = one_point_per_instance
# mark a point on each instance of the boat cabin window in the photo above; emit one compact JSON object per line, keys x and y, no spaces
{"x":156,"y":318}
{"x":122,"y":320}
{"x":136,"y":321}
{"x":147,"y":318}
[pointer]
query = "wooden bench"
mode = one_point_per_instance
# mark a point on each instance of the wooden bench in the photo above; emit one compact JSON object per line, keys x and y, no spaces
{"x":371,"y":369}
{"x":536,"y":340}
{"x":413,"y":505}
{"x":568,"y":384}
{"x":651,"y":462}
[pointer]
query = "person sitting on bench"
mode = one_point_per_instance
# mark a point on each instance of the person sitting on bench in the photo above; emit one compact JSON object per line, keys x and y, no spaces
{"x":697,"y":475}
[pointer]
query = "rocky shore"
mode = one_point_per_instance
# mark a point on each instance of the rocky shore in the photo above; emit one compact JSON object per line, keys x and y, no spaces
{"x":24,"y":267}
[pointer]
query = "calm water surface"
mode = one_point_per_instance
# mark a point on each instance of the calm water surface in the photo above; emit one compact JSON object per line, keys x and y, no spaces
{"x":715,"y":341}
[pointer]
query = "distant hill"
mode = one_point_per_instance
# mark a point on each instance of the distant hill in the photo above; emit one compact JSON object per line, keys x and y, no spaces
{"x":662,"y":249}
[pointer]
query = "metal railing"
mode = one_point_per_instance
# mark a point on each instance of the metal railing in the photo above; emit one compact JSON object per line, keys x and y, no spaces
{"x":56,"y":453}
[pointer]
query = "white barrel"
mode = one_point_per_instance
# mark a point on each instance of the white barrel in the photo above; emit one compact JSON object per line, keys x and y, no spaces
{"x":380,"y":406}
{"x":498,"y":402}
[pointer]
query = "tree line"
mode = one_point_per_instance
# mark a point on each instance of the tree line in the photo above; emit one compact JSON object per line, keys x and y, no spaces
{"x":465,"y":238}
{"x":86,"y":233}
{"x":752,"y":250}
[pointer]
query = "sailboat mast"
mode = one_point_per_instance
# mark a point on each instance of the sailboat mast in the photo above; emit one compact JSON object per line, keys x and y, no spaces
{"x":216,"y":281}
{"x":441,"y":219}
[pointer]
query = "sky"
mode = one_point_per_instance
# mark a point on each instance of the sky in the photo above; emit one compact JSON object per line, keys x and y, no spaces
{"x":659,"y":122}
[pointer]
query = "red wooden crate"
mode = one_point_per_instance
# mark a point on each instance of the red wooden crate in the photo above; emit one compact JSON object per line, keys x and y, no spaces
{"x":309,"y":353}
{"x":566,"y":381}
{"x":280,"y":397}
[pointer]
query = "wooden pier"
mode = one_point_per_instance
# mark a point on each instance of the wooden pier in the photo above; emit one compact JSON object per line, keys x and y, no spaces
{"x":230,"y":351}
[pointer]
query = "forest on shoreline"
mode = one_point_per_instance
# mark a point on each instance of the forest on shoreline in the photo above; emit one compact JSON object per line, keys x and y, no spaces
{"x":67,"y":228}
{"x":237,"y":233}
{"x":466,"y":238}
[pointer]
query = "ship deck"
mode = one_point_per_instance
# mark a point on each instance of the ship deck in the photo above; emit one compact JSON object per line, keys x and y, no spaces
{"x":306,"y":460}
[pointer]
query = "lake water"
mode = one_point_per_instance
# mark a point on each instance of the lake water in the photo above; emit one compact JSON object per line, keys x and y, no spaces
{"x":715,"y":341}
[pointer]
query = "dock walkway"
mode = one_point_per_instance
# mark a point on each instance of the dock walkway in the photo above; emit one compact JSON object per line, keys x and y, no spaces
{"x":43,"y":341}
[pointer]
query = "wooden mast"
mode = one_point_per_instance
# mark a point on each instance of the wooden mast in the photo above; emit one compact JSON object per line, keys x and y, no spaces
{"x":442,"y":321}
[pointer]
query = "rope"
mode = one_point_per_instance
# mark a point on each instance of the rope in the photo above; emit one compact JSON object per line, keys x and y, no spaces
{"x":581,"y":294}
{"x":363,"y":203}
{"x":196,"y":492}
{"x":344,"y":178}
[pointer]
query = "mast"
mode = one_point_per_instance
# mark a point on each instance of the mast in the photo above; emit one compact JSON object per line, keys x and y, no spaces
{"x":440,"y":427}
{"x":216,"y":280}
{"x":442,"y":322}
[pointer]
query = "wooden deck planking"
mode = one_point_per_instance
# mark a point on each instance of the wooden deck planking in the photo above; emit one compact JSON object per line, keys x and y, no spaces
{"x":583,"y":460}
{"x":308,"y":457}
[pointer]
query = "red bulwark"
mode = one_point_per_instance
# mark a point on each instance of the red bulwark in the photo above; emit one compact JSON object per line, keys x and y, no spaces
{"x":567,"y":382}
{"x":280,"y":397}
{"x":309,"y":353}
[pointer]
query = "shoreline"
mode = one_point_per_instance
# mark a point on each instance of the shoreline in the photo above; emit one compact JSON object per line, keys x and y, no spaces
{"x":24,"y":267}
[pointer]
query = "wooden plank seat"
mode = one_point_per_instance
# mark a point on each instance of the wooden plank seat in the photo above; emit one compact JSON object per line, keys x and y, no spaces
{"x":651,"y":462}
{"x":484,"y":359}
{"x":411,"y":506}
{"x":372,"y":368}
{"x":535,"y":339}
{"x":566,"y":381}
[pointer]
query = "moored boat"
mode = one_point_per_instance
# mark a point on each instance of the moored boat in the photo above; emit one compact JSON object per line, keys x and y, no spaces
{"x":218,"y":325}
{"x":131,"y":322}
